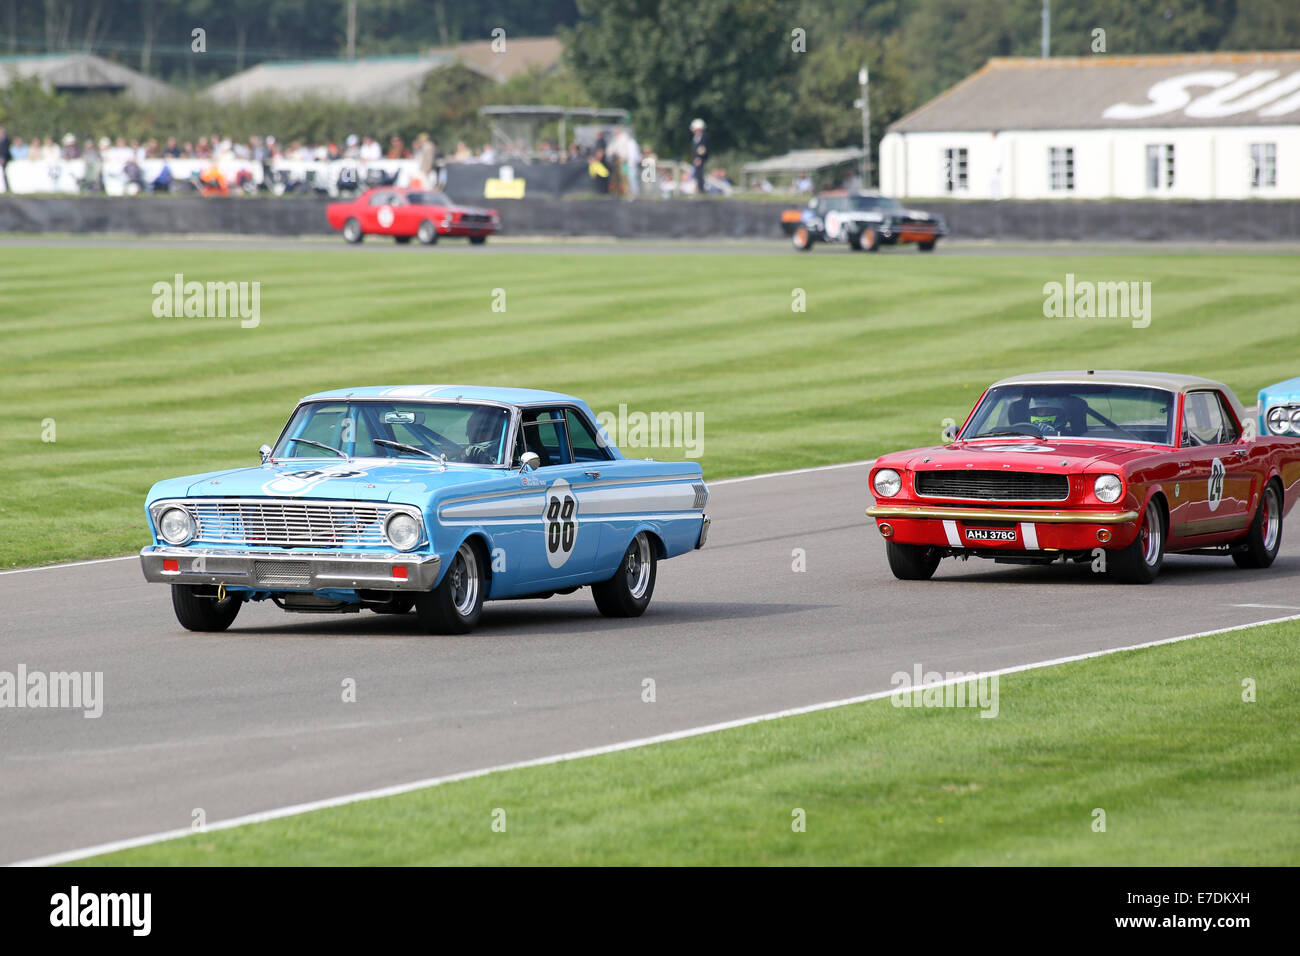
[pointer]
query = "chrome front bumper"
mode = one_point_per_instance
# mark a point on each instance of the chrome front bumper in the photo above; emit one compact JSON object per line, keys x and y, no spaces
{"x":1002,"y":514}
{"x":290,"y":570}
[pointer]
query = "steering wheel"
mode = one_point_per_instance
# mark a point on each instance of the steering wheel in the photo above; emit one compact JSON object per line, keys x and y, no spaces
{"x":1041,"y":429}
{"x":441,"y":443}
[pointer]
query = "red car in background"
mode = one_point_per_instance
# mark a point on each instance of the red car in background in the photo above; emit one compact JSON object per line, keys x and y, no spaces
{"x":410,"y":213}
{"x":1115,"y":469}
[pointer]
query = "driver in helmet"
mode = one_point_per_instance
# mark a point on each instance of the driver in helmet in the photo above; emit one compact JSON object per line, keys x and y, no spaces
{"x":1048,"y":419}
{"x":483,"y":436}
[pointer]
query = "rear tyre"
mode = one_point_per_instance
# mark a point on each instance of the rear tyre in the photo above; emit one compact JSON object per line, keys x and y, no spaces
{"x":352,"y":231}
{"x":427,"y":233}
{"x":801,"y":239}
{"x":401,"y":240}
{"x":1265,"y":535}
{"x":911,"y":562}
{"x":203,"y":613}
{"x":628,"y":592}
{"x":456,"y":604}
{"x":926,"y":246}
{"x":1140,"y":562}
{"x":477,"y":240}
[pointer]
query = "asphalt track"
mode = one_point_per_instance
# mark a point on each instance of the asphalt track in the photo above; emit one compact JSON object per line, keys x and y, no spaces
{"x":253,"y":719}
{"x":571,"y":245}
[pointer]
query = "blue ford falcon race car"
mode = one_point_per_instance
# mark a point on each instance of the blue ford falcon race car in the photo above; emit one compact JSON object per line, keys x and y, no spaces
{"x":1279,"y":408}
{"x":432,"y":497}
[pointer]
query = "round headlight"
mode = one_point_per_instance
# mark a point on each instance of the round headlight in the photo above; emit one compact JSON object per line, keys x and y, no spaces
{"x":1108,"y":488}
{"x":887,"y":483}
{"x":403,"y":531}
{"x":1295,"y":419}
{"x":1277,"y":419}
{"x":175,"y":526}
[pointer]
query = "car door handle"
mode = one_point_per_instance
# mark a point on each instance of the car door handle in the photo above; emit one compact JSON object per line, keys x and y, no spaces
{"x":1240,"y":452}
{"x":592,"y":474}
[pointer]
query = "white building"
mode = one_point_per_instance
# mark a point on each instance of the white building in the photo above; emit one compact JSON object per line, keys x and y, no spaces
{"x":1183,"y":126}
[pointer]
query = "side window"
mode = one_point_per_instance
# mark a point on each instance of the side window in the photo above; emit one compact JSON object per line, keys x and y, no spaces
{"x":381,"y":199}
{"x":1230,"y":431}
{"x":586,"y":446}
{"x":546,"y":436}
{"x":1203,"y":422}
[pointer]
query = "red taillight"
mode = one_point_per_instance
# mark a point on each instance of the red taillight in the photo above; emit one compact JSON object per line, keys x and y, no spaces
{"x":399,"y":572}
{"x":171,"y":564}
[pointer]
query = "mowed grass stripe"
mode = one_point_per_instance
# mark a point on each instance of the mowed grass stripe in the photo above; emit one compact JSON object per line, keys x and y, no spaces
{"x":889,"y":346}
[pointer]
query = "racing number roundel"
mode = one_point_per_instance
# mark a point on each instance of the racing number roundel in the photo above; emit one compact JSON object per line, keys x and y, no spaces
{"x":1216,"y":484}
{"x":833,"y":225}
{"x":560,"y":522}
{"x":385,"y":215}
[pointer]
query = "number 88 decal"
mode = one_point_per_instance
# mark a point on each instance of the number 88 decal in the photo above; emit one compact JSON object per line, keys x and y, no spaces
{"x":560,"y":514}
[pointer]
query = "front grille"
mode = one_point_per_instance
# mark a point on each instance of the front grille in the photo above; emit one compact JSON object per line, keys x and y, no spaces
{"x":993,"y":485}
{"x":475,"y":217}
{"x":277,"y":523}
{"x":282,"y":574}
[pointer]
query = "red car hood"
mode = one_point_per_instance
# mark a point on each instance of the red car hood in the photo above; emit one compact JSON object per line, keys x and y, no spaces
{"x":1020,"y":454}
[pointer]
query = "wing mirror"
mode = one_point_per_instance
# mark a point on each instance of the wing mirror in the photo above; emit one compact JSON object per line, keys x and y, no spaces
{"x":265,"y":452}
{"x":529,"y":461}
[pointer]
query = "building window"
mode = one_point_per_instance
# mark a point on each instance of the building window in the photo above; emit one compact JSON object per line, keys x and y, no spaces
{"x":1160,"y":167}
{"x":1060,"y":164}
{"x":1263,"y":165}
{"x":956,"y":170}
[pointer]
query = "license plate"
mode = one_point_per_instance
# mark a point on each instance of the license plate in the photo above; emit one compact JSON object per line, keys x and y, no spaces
{"x":990,"y":534}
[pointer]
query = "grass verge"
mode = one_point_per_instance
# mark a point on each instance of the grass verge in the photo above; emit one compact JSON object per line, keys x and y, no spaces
{"x":1160,"y":739}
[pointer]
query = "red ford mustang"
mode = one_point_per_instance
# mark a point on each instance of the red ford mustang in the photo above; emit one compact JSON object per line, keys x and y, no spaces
{"x":403,"y":213}
{"x":1111,"y":468}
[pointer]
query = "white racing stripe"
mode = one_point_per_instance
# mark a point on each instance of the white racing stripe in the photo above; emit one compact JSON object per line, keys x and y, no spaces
{"x":723,"y":481}
{"x":1029,"y":535}
{"x":954,"y":537}
{"x":301,"y":808}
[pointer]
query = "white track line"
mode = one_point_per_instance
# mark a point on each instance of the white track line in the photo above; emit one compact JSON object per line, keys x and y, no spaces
{"x":73,"y":564}
{"x":301,"y":808}
{"x":724,"y":481}
{"x":796,"y":471}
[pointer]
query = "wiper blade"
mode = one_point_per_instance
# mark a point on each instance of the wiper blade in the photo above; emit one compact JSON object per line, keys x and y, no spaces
{"x":308,"y":441}
{"x":1006,"y":431}
{"x":415,"y":448}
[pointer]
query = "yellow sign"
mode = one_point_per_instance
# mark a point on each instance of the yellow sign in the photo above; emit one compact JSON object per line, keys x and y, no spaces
{"x":503,"y":189}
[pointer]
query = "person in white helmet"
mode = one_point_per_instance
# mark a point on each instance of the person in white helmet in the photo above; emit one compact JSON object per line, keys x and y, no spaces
{"x":699,"y":153}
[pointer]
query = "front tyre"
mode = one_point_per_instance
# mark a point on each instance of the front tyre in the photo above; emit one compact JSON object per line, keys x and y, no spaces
{"x":869,"y":239}
{"x":911,"y":562}
{"x":427,"y":233}
{"x":1265,"y":535}
{"x":627,"y":593}
{"x":802,"y":239}
{"x":352,"y":231}
{"x":456,"y":604}
{"x":203,"y":613}
{"x":926,"y":246}
{"x":1140,"y":562}
{"x":477,"y":240}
